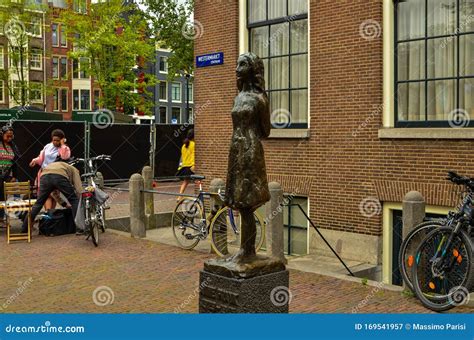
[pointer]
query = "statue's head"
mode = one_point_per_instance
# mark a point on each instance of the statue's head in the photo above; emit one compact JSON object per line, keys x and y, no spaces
{"x":250,"y":70}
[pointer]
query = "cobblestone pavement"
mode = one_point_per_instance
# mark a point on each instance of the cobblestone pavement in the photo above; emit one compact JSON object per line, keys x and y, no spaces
{"x":67,"y":274}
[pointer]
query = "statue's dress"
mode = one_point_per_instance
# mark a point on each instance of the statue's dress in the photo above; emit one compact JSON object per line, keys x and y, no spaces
{"x":247,"y":186}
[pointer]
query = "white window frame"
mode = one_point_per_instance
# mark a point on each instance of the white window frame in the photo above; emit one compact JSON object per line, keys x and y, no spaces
{"x":57,"y":34}
{"x":2,"y":91}
{"x":192,"y":92}
{"x":2,"y":57}
{"x":180,"y":92}
{"x":40,"y":68}
{"x":56,"y":107}
{"x":39,"y":100}
{"x":165,"y":64}
{"x":166,"y":92}
{"x":80,"y":100}
{"x":40,"y":35}
{"x":61,"y":34}
{"x":52,"y":67}
{"x":61,"y":108}
{"x":179,"y":116}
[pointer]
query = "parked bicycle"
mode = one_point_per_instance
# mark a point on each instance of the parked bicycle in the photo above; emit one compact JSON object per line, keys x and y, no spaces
{"x":192,"y":223}
{"x":93,"y":199}
{"x":436,"y":257}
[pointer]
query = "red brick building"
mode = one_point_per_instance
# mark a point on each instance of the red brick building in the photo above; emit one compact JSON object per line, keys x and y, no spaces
{"x":62,"y":86}
{"x":369,"y":100}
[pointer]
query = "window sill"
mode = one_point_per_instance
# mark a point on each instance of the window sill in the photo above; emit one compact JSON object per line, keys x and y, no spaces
{"x":426,"y":133}
{"x":289,"y":133}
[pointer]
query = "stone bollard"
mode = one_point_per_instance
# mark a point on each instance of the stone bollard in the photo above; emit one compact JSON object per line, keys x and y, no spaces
{"x":413,"y":211}
{"x":137,"y":206}
{"x":274,"y":218}
{"x":147,"y":174}
{"x":99,"y":180}
{"x":215,"y":202}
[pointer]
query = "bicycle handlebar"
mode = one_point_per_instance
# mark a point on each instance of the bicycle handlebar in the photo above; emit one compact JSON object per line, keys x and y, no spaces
{"x":460,"y":180}
{"x":92,"y":159}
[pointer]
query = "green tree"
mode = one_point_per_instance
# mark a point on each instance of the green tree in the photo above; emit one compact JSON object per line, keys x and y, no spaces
{"x":111,"y":45}
{"x":20,"y":22}
{"x":174,"y":29}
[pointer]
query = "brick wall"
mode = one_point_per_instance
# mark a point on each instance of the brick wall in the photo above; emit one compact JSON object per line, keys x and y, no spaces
{"x":344,"y":160}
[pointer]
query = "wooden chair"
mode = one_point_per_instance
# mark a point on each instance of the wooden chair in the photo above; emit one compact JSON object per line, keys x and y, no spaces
{"x":22,"y":189}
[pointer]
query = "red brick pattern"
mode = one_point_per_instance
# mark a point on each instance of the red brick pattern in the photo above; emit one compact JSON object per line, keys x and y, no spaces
{"x":60,"y":275}
{"x":345,"y":157}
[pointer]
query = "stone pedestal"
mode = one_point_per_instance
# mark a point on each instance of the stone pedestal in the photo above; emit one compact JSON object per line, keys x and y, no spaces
{"x":258,"y":286}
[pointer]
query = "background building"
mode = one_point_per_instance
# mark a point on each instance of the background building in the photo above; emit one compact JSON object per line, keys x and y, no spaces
{"x":369,"y":100}
{"x":170,"y":97}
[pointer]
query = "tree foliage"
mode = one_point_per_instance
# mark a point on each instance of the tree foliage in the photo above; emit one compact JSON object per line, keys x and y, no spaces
{"x":174,"y":30}
{"x":112,"y":45}
{"x":19,"y":21}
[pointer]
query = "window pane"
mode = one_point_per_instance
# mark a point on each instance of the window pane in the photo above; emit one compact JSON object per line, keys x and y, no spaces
{"x":299,"y":106}
{"x":163,"y":115}
{"x":75,"y":69}
{"x":299,"y":36}
{"x":441,"y":17}
{"x":279,"y":40}
{"x":259,"y":41}
{"x":411,"y":64}
{"x":64,"y":99}
{"x":175,"y":115}
{"x":256,"y":10}
{"x":411,"y":19}
{"x":266,"y":71}
{"x":299,"y":74}
{"x":190,"y":93}
{"x":441,"y":58}
{"x":176,"y":92}
{"x":56,"y":100}
{"x":85,"y":100}
{"x":55,"y":67}
{"x":63,"y":36}
{"x":276,"y":9}
{"x":54,"y":34}
{"x":279,"y":73}
{"x":75,"y":99}
{"x":163,"y":91}
{"x":466,"y":22}
{"x":411,"y":101}
{"x":441,"y":99}
{"x":466,"y":96}
{"x":297,"y":7}
{"x":279,"y":108}
{"x":466,"y":53}
{"x":63,"y":68}
{"x":96,"y":100}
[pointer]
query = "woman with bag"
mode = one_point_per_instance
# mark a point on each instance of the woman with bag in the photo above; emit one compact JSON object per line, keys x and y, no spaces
{"x":8,"y":160}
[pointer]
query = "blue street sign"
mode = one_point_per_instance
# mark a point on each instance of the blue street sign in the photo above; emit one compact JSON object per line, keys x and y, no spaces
{"x":211,"y":59}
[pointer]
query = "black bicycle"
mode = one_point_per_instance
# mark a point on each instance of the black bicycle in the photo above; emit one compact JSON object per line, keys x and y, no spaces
{"x":93,"y":199}
{"x":443,"y":268}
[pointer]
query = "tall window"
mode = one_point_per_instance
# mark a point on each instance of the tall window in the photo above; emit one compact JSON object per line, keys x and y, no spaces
{"x":163,"y":64}
{"x":163,"y":111}
{"x":2,"y":57}
{"x":176,"y":92}
{"x":189,"y":92}
{"x":81,"y":100}
{"x":64,"y":98}
{"x":278,"y":33}
{"x":63,"y":68}
{"x":36,"y":59}
{"x":434,"y":62}
{"x":80,"y":6}
{"x":55,"y":61}
{"x":35,"y":27}
{"x":163,"y":89}
{"x":175,"y":115}
{"x":2,"y":91}
{"x":56,"y":100}
{"x":55,"y":34}
{"x":36,"y":92}
{"x":63,"y":36}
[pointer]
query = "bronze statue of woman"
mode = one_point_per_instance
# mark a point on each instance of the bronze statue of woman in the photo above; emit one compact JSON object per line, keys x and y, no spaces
{"x":247,"y":186}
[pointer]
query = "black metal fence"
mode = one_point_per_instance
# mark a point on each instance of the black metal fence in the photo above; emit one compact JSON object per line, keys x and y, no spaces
{"x":129,"y":145}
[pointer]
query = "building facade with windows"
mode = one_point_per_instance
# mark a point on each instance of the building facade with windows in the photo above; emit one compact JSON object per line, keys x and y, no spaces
{"x":171,"y":99}
{"x":57,"y":83}
{"x":369,"y":100}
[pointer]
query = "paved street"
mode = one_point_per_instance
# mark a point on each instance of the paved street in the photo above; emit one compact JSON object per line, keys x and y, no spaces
{"x":61,"y":274}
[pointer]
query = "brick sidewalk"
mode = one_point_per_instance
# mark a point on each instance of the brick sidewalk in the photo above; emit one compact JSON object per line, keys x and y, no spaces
{"x":60,"y":274}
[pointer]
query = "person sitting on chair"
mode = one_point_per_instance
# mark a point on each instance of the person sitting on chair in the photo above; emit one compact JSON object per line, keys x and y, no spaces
{"x":57,"y":176}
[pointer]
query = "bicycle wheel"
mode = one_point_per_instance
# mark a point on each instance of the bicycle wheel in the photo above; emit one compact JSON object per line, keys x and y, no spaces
{"x":102,"y":218}
{"x":91,"y":217}
{"x":443,"y":275}
{"x":224,"y":241}
{"x":186,"y":222}
{"x":406,"y":257}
